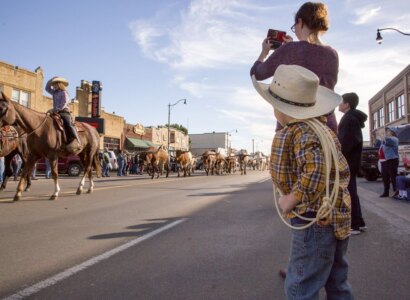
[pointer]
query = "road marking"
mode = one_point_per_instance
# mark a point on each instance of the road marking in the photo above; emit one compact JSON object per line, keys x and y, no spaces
{"x":71,"y":271}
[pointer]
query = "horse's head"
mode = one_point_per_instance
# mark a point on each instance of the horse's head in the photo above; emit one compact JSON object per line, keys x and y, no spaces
{"x":7,"y":111}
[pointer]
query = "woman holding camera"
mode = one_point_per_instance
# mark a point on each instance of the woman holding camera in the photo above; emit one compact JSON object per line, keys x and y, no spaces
{"x":311,"y":21}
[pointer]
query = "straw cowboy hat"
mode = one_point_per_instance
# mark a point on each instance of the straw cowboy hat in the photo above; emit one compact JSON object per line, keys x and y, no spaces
{"x":295,"y":91}
{"x":60,"y":79}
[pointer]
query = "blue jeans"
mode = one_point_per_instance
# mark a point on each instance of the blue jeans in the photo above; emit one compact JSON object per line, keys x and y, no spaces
{"x":106,"y":170}
{"x":402,"y":182}
{"x":120,"y":167}
{"x":317,"y":260}
{"x":2,"y":169}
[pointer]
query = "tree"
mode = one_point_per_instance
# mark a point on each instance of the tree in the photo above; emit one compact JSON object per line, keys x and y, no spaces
{"x":179,"y":127}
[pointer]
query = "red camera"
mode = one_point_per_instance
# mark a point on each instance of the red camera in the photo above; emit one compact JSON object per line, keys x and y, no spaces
{"x":275,"y":38}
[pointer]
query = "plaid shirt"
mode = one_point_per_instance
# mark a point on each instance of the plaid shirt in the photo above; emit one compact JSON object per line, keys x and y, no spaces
{"x":298,"y":166}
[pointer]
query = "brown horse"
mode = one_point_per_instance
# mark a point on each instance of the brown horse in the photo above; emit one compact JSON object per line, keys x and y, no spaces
{"x":44,"y":140}
{"x":13,"y":142}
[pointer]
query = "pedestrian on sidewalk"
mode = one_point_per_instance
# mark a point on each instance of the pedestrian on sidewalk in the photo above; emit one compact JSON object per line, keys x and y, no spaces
{"x":402,"y":184}
{"x":48,"y":168}
{"x":298,"y":169}
{"x":106,"y":163}
{"x":389,"y":167}
{"x":351,"y":140}
{"x":120,"y":162}
{"x":2,"y":170}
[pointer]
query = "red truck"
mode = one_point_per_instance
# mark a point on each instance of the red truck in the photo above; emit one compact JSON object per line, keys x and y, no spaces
{"x":70,"y":165}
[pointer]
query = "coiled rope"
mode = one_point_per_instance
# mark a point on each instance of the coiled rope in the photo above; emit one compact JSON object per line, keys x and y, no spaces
{"x":331,"y":156}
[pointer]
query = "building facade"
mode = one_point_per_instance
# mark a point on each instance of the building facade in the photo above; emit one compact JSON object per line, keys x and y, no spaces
{"x":208,"y":141}
{"x":390,"y":106}
{"x":26,"y":88}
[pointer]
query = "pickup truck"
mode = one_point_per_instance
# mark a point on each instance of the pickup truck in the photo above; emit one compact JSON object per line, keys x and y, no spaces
{"x":369,"y":166}
{"x":70,"y":165}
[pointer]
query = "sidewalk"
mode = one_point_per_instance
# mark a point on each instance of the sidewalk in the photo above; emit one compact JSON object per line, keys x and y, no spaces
{"x":396,"y":212}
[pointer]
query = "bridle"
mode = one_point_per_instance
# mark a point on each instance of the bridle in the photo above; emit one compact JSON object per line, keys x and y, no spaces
{"x":25,"y":133}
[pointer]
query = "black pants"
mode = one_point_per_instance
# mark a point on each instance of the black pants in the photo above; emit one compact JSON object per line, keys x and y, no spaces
{"x":389,"y":173}
{"x":70,"y":131}
{"x":357,"y":219}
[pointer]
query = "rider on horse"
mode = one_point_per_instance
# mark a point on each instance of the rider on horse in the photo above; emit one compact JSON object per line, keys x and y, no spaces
{"x":57,"y":86}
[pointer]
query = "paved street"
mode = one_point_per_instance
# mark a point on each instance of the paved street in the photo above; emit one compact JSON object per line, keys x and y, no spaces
{"x":215,"y":237}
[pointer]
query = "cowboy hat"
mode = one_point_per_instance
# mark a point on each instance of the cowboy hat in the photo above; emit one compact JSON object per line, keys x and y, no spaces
{"x":295,"y":91}
{"x":60,"y":79}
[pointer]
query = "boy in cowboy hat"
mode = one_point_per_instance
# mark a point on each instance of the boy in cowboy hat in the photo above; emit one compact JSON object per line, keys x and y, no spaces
{"x":57,"y":86}
{"x":298,"y":169}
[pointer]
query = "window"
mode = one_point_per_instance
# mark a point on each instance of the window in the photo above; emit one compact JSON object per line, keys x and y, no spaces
{"x":172,"y":137}
{"x":400,"y":106}
{"x":391,"y":111}
{"x":375,"y":125}
{"x":111,"y":143}
{"x":20,"y":97}
{"x":381,"y":117}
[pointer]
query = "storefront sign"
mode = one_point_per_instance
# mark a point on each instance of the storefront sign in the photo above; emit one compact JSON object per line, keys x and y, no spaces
{"x":96,"y":99}
{"x":97,"y":123}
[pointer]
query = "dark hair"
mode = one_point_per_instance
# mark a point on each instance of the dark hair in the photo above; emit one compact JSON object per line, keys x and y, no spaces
{"x":314,"y":15}
{"x":352,"y":99}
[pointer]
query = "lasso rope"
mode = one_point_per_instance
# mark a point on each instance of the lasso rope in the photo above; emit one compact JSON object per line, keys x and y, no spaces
{"x":329,"y":200}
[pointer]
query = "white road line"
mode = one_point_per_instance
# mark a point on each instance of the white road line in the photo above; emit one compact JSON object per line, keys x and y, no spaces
{"x":71,"y":271}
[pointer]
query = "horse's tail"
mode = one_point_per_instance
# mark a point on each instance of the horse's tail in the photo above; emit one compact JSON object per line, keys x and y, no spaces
{"x":97,"y":165}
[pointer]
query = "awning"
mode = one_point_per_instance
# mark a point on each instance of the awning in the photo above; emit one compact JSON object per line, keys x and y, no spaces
{"x":138,"y":143}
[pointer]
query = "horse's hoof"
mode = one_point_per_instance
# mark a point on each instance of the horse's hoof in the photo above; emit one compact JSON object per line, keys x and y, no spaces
{"x":27,"y":190}
{"x":89,"y":191}
{"x":16,"y":198}
{"x":53,"y":197}
{"x":79,"y":192}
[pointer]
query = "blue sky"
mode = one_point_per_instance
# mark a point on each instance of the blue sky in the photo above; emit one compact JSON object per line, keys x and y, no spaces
{"x":151,"y":53}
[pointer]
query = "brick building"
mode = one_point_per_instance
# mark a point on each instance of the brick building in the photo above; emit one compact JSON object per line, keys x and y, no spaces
{"x":390,"y":106}
{"x":26,"y":88}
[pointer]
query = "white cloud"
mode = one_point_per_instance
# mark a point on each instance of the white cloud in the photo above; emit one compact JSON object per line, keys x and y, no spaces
{"x":211,"y":34}
{"x":144,"y":34}
{"x":366,"y":14}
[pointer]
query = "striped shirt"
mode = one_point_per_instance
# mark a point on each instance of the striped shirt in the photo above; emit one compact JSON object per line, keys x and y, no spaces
{"x":298,"y":166}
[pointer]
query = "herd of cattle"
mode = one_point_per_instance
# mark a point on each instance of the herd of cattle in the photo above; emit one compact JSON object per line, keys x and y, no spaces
{"x":157,"y":161}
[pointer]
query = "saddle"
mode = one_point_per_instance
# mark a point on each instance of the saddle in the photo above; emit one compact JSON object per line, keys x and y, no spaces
{"x":59,"y":126}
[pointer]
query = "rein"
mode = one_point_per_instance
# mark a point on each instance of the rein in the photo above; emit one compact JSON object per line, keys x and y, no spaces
{"x":331,"y":156}
{"x":34,"y":130}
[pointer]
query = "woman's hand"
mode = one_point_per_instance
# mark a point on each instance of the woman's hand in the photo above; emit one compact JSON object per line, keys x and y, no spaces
{"x":287,"y":203}
{"x":265,"y":50}
{"x":266,"y":46}
{"x":287,"y":39}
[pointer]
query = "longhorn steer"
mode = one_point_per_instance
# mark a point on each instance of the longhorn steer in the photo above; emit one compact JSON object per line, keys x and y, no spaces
{"x":209,"y":160}
{"x":157,"y":160}
{"x":184,"y":159}
{"x":243,"y":161}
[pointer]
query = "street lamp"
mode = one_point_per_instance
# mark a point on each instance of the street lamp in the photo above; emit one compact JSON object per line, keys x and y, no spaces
{"x":169,"y":117}
{"x":379,"y":38}
{"x":228,"y":133}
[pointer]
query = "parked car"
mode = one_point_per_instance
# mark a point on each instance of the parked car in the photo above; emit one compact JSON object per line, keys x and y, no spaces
{"x":369,"y":164}
{"x":70,"y":165}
